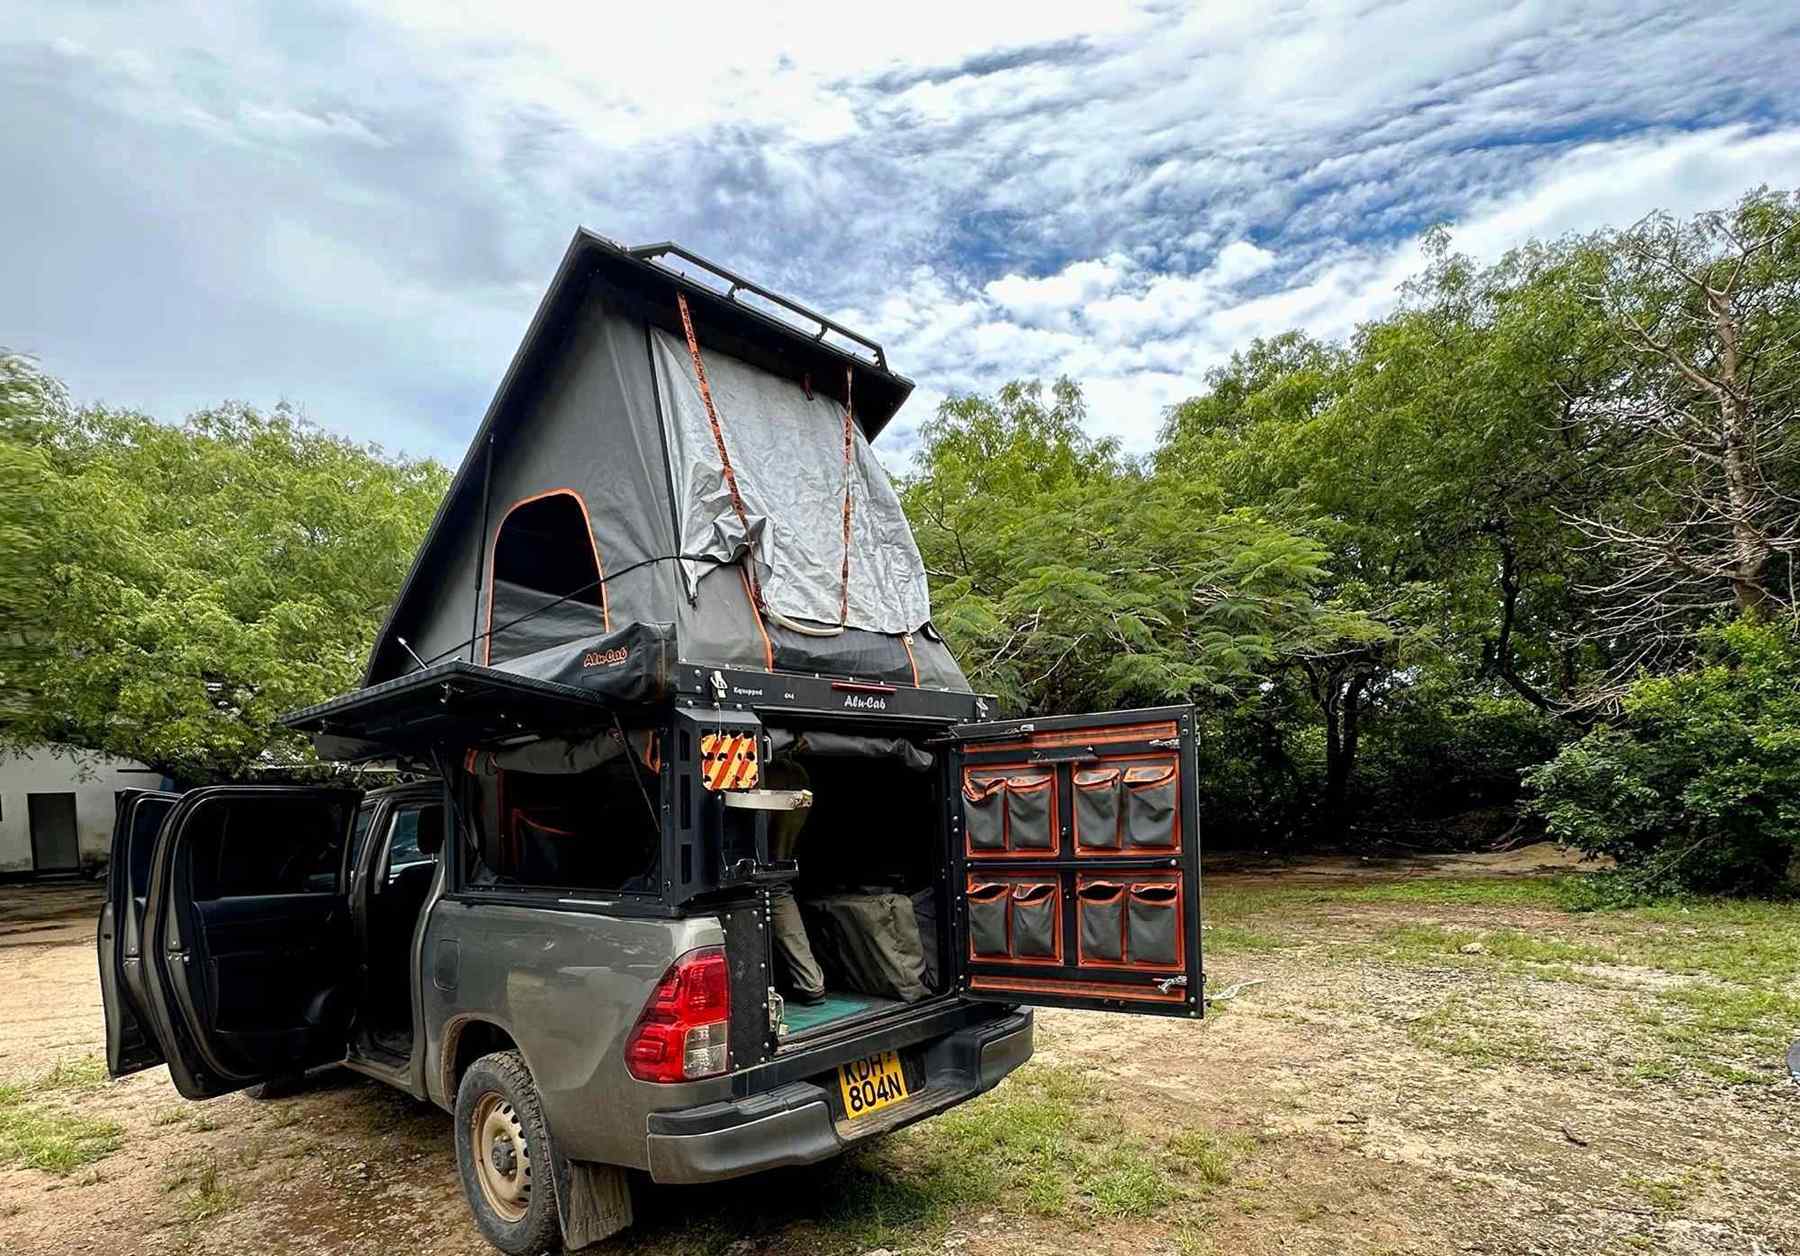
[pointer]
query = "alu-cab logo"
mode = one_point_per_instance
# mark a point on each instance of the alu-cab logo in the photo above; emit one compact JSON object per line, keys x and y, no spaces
{"x":605,"y":658}
{"x":859,"y":702}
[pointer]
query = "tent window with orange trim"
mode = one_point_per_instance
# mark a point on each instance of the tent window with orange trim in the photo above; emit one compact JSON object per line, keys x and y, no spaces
{"x":544,"y":550}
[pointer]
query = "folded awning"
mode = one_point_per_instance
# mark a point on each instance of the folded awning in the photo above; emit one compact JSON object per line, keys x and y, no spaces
{"x":456,"y":704}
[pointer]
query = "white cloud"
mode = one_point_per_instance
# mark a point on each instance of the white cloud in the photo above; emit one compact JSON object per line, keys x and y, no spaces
{"x":356,"y":205}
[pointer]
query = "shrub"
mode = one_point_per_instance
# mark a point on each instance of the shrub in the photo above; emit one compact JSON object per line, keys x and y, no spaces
{"x":1697,"y":786}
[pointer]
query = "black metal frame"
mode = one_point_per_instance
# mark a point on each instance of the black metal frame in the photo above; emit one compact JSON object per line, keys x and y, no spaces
{"x":668,"y":248}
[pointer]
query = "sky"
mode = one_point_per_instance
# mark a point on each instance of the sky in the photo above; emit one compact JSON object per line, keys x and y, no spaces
{"x":355,"y":208}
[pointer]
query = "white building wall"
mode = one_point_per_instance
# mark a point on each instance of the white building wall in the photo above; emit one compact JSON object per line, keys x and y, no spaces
{"x":49,"y":770}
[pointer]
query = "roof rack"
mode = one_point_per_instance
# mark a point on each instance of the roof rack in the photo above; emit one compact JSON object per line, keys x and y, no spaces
{"x":668,"y":248}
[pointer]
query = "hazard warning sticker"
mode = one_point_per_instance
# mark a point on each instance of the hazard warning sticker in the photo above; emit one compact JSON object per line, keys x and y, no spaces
{"x":728,"y":761}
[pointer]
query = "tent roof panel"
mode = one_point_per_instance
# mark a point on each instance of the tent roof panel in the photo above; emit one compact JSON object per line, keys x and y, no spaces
{"x":766,"y":334}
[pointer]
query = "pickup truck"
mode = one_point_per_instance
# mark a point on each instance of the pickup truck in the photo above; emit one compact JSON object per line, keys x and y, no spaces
{"x":577,"y":930}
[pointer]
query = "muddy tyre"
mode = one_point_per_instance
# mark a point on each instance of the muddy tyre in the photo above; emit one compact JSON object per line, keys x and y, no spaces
{"x":503,"y":1155}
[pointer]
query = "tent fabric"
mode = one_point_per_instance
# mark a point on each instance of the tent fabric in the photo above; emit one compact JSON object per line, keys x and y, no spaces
{"x":787,"y":450}
{"x":527,"y":620}
{"x":610,"y":415}
{"x":632,"y":665}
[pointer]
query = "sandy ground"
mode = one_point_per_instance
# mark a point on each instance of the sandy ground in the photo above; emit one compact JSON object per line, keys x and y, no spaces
{"x":1356,"y":1136}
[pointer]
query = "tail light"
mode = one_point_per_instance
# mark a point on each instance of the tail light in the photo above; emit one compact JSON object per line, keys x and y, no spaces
{"x":681,"y":1034}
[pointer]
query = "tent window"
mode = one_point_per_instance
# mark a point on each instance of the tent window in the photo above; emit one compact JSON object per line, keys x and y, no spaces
{"x":544,"y":551}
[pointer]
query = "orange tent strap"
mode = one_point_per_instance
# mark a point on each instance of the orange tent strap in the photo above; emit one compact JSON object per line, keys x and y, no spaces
{"x":849,"y":449}
{"x":718,"y":433}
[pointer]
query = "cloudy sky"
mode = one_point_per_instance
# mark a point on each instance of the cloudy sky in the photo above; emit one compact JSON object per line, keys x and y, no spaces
{"x":355,"y":208}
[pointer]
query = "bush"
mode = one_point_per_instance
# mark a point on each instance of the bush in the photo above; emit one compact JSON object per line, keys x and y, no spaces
{"x":1697,"y":787}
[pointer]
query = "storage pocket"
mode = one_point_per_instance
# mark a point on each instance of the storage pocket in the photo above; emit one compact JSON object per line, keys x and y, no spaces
{"x":1150,"y":806}
{"x":984,"y":812}
{"x":1097,"y":808}
{"x":1034,"y":921}
{"x":1028,"y":813}
{"x":987,"y":919}
{"x":1102,"y":907}
{"x":1153,"y":924}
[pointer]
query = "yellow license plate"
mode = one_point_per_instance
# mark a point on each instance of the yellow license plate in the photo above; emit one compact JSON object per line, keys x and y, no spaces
{"x":871,"y":1084}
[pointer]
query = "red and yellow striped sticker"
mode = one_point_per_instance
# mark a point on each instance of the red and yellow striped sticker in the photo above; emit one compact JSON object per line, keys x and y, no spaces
{"x":728,"y":761}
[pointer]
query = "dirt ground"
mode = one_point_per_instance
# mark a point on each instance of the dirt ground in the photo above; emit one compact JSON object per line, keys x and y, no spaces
{"x":1442,"y":1069}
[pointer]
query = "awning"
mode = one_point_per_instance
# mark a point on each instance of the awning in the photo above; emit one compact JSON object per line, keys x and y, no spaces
{"x":456,"y":703}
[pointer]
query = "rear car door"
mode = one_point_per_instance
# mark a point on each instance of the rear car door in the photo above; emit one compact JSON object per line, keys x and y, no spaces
{"x":249,"y":959}
{"x":1077,"y":857}
{"x":131,"y":1045}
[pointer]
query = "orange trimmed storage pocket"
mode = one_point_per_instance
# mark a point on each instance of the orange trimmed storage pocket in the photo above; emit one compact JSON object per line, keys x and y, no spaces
{"x":1097,"y":796}
{"x":987,"y":919}
{"x":1150,"y":806}
{"x":1034,"y":920}
{"x":1101,"y":906}
{"x":1029,"y":818}
{"x":1153,"y":924}
{"x":984,"y":813}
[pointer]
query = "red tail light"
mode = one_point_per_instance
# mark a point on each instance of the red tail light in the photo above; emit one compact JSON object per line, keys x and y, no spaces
{"x":682,"y":1032}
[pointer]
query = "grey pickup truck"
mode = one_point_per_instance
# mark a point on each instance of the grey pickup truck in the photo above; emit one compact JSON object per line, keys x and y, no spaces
{"x":714,"y":862}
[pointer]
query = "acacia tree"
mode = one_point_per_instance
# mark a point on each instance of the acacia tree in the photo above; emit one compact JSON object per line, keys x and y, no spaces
{"x":169,"y":591}
{"x":1710,"y":404}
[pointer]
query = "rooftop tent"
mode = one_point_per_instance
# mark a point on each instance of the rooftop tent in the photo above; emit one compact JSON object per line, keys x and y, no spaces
{"x":675,"y":457}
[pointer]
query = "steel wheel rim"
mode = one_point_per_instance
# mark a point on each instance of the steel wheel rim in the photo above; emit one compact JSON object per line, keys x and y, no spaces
{"x":502,"y":1157}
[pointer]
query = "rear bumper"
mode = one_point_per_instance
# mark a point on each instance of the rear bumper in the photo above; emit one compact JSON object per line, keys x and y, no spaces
{"x":793,"y":1125}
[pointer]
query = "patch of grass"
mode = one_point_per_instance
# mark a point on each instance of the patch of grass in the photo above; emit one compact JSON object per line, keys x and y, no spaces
{"x":1516,"y":891}
{"x":203,"y":1123}
{"x":1221,"y":939}
{"x":1748,"y":943}
{"x":1714,"y":1029}
{"x":37,"y":1136}
{"x":1417,"y":943}
{"x":1047,"y":1139}
{"x":205,"y":1196}
{"x":87,"y":1072}
{"x":169,"y":1116}
{"x":1201,"y":1156}
{"x":1464,"y":1030}
{"x":1130,"y":1183}
{"x":1048,"y":1142}
{"x":1665,"y":1194}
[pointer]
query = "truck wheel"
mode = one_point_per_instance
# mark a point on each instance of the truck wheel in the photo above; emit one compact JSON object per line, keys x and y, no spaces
{"x":503,"y":1153}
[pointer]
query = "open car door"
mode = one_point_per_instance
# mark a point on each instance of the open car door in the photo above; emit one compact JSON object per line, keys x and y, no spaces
{"x":130,"y":1044}
{"x":1077,"y":846}
{"x":249,"y":967}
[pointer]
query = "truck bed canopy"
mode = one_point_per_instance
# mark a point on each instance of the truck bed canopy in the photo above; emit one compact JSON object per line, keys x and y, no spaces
{"x":677,"y":464}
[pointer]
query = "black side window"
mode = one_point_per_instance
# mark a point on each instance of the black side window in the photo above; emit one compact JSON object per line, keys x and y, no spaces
{"x":250,"y":847}
{"x":591,"y":830}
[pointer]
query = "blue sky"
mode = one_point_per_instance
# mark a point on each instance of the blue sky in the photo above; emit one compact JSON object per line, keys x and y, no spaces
{"x":355,"y":208}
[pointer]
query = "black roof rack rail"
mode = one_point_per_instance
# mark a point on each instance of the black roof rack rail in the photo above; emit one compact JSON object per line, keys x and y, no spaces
{"x":668,"y":248}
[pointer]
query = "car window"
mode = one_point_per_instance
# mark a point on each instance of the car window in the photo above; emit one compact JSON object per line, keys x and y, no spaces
{"x":360,"y":835}
{"x":251,"y":847}
{"x":403,"y":835}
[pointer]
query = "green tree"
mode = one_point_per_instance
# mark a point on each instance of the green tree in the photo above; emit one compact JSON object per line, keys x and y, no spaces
{"x":1070,"y":578}
{"x":1697,"y":783}
{"x":170,"y":590}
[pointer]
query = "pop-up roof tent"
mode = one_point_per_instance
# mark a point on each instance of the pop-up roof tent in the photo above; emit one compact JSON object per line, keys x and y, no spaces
{"x":670,"y":471}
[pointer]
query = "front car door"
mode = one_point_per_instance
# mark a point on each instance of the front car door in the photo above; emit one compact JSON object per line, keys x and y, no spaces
{"x":1077,"y":845}
{"x":250,"y":968}
{"x":130,"y":1044}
